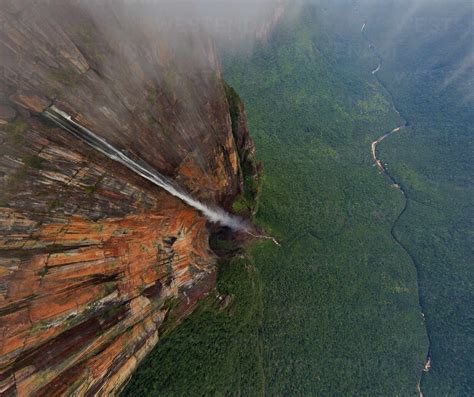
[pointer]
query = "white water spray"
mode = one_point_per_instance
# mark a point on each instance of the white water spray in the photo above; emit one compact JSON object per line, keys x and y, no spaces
{"x":376,"y":70}
{"x":213,"y":214}
{"x":263,"y":237}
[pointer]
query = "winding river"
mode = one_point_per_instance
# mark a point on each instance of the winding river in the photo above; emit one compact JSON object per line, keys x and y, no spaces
{"x":399,"y":185}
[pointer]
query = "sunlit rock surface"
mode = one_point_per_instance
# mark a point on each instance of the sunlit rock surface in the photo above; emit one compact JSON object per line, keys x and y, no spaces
{"x":95,"y":260}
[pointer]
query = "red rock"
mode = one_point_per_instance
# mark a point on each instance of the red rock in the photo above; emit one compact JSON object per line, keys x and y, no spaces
{"x":89,"y":251}
{"x":31,"y":101}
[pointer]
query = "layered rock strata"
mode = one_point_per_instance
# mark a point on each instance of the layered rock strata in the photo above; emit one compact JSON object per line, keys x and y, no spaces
{"x":95,"y":260}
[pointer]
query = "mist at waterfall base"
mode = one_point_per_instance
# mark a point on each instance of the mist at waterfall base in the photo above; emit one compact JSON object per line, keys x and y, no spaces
{"x":213,"y":214}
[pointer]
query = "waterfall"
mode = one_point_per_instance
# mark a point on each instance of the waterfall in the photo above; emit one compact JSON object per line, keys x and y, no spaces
{"x":213,"y":214}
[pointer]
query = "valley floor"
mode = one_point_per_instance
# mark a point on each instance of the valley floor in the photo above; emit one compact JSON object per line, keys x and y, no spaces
{"x":335,"y":310}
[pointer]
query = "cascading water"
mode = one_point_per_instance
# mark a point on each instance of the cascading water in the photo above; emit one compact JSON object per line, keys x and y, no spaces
{"x":213,"y":214}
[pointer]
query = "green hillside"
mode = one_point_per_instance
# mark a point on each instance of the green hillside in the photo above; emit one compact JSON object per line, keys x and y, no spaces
{"x":336,"y":309}
{"x":341,"y":313}
{"x":428,"y":67}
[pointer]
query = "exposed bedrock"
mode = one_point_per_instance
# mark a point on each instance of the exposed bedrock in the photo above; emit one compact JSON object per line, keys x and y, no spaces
{"x":95,"y":260}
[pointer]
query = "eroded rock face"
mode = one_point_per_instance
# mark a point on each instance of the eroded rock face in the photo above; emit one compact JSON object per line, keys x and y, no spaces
{"x":94,"y":259}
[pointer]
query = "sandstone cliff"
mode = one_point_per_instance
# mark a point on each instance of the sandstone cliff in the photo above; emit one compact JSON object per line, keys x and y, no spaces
{"x":94,"y":260}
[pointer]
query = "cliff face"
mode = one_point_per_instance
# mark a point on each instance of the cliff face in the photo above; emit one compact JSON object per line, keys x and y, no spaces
{"x":95,"y":260}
